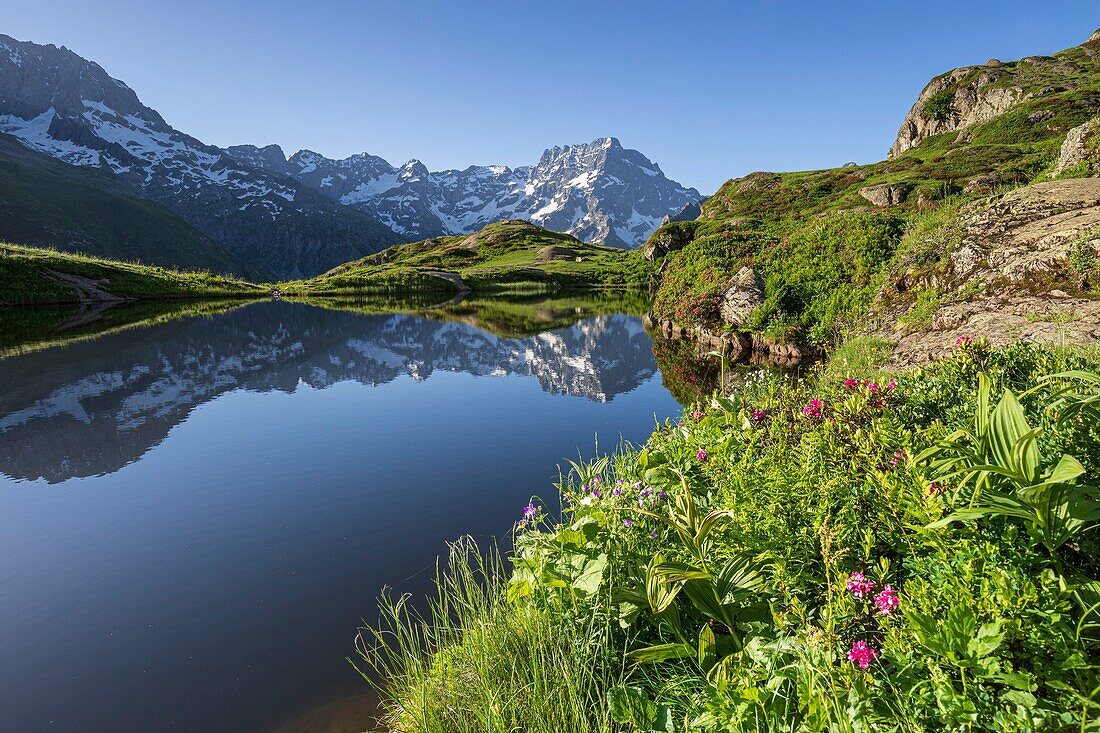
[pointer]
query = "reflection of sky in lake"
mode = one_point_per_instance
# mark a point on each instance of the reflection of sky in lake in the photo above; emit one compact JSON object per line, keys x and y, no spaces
{"x":195,"y":516}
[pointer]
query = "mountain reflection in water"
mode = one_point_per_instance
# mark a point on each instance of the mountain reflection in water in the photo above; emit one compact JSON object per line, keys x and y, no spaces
{"x":98,"y":405}
{"x":233,"y":484}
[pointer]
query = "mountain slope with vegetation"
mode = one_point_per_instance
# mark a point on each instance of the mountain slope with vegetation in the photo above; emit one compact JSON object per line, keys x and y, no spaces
{"x":31,"y":276}
{"x":508,"y":254}
{"x":819,"y":255}
{"x":46,"y":203}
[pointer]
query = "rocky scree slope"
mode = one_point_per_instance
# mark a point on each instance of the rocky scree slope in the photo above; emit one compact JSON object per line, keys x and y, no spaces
{"x":55,"y":102}
{"x":597,"y":192}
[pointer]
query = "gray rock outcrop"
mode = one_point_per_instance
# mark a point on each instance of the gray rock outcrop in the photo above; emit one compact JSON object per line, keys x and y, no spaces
{"x":1028,"y":232}
{"x":742,"y":298}
{"x":1082,"y":145}
{"x":954,"y":101}
{"x":886,"y":194}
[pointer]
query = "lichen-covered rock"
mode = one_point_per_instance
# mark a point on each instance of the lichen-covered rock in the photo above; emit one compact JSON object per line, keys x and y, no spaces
{"x":1028,"y":232}
{"x":742,"y":298}
{"x":886,"y":194}
{"x":1044,"y":320}
{"x":1082,"y":146}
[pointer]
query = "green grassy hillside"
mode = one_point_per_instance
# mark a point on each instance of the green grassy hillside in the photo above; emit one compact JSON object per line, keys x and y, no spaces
{"x":46,"y":203}
{"x":504,"y":255}
{"x":38,"y":276}
{"x":823,"y":252}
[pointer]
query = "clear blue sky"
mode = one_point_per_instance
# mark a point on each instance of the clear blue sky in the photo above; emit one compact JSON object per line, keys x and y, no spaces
{"x":709,"y":90}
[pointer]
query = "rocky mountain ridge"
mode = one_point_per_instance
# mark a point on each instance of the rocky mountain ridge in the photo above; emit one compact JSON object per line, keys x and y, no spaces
{"x":597,"y":192}
{"x":299,"y":216}
{"x":58,"y":103}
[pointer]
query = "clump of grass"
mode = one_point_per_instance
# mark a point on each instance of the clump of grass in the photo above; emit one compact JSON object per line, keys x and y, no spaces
{"x":477,"y":663}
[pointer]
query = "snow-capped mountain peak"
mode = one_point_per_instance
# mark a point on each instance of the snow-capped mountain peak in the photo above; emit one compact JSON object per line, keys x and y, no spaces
{"x":598,"y":192}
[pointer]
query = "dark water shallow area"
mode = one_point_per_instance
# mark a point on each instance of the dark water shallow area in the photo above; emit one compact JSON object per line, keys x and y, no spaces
{"x":199,"y":506}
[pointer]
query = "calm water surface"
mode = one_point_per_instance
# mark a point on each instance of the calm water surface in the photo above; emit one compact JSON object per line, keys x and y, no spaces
{"x":196,"y":515}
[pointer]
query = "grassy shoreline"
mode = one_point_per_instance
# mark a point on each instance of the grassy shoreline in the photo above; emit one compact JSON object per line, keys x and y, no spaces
{"x":850,"y":551}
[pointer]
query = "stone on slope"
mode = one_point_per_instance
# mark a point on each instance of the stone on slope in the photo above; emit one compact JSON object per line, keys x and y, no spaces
{"x":742,"y":298}
{"x":1028,"y":232}
{"x":1082,"y":145}
{"x":886,"y":194}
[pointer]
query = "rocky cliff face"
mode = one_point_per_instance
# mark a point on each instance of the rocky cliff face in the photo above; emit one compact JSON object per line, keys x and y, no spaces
{"x":597,"y":192}
{"x":55,"y":102}
{"x":957,"y":100}
{"x":971,"y":95}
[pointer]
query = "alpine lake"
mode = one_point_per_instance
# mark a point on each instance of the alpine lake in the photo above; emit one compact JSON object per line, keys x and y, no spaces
{"x":200,"y":502}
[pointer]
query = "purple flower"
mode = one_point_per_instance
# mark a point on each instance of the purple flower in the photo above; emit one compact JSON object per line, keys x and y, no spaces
{"x":616,"y":491}
{"x":530,"y":512}
{"x":701,"y":455}
{"x":758,"y":415}
{"x":628,"y":522}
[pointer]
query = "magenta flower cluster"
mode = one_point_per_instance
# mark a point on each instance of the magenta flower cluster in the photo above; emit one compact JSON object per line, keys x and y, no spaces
{"x":701,"y":455}
{"x":859,"y":586}
{"x":886,"y":601}
{"x":963,"y":341}
{"x":759,"y":415}
{"x":813,"y":409}
{"x":862,"y":654}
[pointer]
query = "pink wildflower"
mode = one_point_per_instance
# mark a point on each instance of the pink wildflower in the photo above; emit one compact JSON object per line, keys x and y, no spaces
{"x":697,"y":415}
{"x":887,"y":600}
{"x":892,"y":385}
{"x":963,"y":341}
{"x":814,"y":408}
{"x":859,"y":586}
{"x":758,"y":415}
{"x":701,"y":455}
{"x":862,"y":654}
{"x":872,"y":387}
{"x":851,"y":383}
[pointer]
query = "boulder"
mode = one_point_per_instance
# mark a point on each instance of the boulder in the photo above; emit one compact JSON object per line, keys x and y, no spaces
{"x":1082,"y":145}
{"x":886,"y":194}
{"x":982,"y":184}
{"x":743,"y":296}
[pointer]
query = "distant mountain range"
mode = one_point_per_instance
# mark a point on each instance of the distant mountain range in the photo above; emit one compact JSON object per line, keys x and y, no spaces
{"x":303,"y":215}
{"x":598,"y":192}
